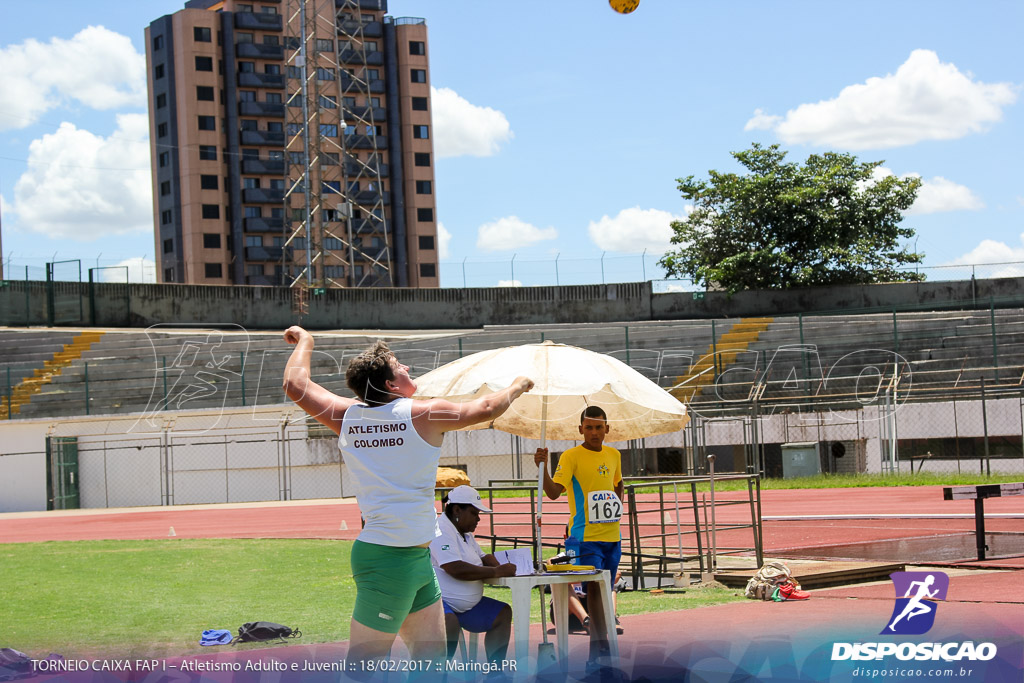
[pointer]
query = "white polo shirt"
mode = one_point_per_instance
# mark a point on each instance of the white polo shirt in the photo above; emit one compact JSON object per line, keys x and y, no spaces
{"x":451,"y":546}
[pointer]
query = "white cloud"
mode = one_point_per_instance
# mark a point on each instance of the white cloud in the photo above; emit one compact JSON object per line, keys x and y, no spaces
{"x":511,"y":233}
{"x":936,"y":195}
{"x":991,"y":251}
{"x":83,"y":186}
{"x":444,"y":238}
{"x":97,"y":67}
{"x":924,"y":100}
{"x":139,"y":270}
{"x":464,"y":129}
{"x":509,"y":283}
{"x":634,"y":230}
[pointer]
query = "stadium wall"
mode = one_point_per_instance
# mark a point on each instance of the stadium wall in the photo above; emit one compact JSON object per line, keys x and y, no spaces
{"x":142,"y":305}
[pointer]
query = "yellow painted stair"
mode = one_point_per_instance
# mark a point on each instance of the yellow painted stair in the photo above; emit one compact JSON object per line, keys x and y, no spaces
{"x":728,"y":346}
{"x":22,"y":394}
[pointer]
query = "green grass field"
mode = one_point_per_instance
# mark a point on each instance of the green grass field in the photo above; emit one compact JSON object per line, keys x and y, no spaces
{"x":154,"y":598}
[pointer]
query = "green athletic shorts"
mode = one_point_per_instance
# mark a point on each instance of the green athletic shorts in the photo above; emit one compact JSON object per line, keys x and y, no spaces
{"x":391,"y":583}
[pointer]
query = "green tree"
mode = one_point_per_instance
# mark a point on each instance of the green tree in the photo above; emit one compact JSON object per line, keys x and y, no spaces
{"x":782,"y":225}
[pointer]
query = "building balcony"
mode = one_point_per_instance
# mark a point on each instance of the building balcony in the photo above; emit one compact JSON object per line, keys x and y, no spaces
{"x":360,"y":57}
{"x":366,"y":114}
{"x":255,"y":80}
{"x":265,"y":253}
{"x":264,"y":166}
{"x":348,"y":84}
{"x":260,"y":51}
{"x":263,"y":137}
{"x":371,"y":29}
{"x":260,"y":281}
{"x":365,"y":142}
{"x":261,"y":196}
{"x":353,"y":169}
{"x":365,"y":226}
{"x":273,"y":109}
{"x":370,"y":197}
{"x":258,"y":21}
{"x":263,"y":224}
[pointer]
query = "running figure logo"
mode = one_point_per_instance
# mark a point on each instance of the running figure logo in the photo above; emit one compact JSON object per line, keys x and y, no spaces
{"x":914,"y":612}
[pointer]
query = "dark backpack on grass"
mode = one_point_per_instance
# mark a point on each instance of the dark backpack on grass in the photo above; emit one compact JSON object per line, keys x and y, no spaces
{"x":14,"y":664}
{"x":255,"y":631}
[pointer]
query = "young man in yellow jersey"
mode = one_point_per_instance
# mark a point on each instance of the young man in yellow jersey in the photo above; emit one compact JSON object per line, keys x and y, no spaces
{"x":592,"y":474}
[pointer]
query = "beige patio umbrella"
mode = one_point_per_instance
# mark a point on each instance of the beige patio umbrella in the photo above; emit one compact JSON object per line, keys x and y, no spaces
{"x":566,"y":379}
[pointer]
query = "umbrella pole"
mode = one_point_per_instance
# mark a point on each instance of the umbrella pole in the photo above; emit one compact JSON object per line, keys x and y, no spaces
{"x":538,"y":522}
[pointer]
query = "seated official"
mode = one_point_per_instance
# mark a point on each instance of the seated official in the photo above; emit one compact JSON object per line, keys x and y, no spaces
{"x":461,"y":566}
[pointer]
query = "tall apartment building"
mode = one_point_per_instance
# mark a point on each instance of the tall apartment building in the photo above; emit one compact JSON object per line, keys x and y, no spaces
{"x":291,"y":145}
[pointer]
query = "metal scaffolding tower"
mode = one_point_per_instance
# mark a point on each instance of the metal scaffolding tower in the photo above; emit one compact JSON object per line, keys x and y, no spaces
{"x":335,"y":231}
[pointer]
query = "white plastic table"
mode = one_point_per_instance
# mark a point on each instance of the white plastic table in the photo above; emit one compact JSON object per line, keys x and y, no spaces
{"x":522,"y":592}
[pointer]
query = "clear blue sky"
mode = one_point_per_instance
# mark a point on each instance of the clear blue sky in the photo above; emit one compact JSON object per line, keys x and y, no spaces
{"x":560,"y":131}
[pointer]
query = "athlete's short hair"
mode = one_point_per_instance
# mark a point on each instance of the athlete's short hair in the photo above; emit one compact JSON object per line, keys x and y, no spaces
{"x":594,"y":413}
{"x":369,"y":371}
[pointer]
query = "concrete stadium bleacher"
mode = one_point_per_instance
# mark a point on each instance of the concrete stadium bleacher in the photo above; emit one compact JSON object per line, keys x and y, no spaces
{"x":167,"y":369}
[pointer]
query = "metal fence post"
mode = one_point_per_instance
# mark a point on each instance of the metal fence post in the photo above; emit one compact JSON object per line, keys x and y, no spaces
{"x":627,"y":346}
{"x":714,"y":347}
{"x":995,"y":352}
{"x":241,"y":355}
{"x":164,"y":403}
{"x":10,"y":408}
{"x":987,"y":470}
{"x":86,"y":387}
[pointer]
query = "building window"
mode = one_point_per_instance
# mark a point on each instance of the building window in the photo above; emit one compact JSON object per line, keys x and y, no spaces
{"x":417,"y":47}
{"x":268,"y":9}
{"x":247,"y":67}
{"x":253,"y":241}
{"x":420,"y":132}
{"x":333,"y":244}
{"x":334,"y":271}
{"x":423,"y":187}
{"x":158,"y":42}
{"x":329,"y":159}
{"x":207,"y":123}
{"x":372,"y":74}
{"x":278,"y":184}
{"x":246,"y":95}
{"x":249,"y":154}
{"x":165,"y":188}
{"x":207,"y":153}
{"x":426,"y":242}
{"x":328,"y":102}
{"x":330,"y":216}
{"x":204,"y":93}
{"x":254,"y":270}
{"x":274,"y":69}
{"x":204,"y":63}
{"x":419,"y":104}
{"x":323,"y":74}
{"x":293,"y":129}
{"x":243,"y":37}
{"x":269,"y":39}
{"x":274,"y":97}
{"x":243,"y":8}
{"x":275,"y":127}
{"x":164,"y":159}
{"x":161,"y":101}
{"x":332,"y":187}
{"x":208,"y":182}
{"x":158,"y":71}
{"x":201,"y":34}
{"x":168,"y":246}
{"x":211,"y":240}
{"x":419,"y":75}
{"x":425,"y":215}
{"x":329,"y":130}
{"x":294,"y":72}
{"x":250,"y":183}
{"x":213,"y":270}
{"x":165,"y":217}
{"x":422,"y":159}
{"x":324,"y":45}
{"x":428,"y":270}
{"x":253,"y":211}
{"x":211,"y":211}
{"x":370,"y":45}
{"x":161,"y":130}
{"x":169,"y":275}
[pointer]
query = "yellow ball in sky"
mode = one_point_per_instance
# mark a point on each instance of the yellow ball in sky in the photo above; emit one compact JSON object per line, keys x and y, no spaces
{"x":624,"y":6}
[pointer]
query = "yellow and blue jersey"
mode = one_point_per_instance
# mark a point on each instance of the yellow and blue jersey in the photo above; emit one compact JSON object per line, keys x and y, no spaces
{"x":581,"y":471}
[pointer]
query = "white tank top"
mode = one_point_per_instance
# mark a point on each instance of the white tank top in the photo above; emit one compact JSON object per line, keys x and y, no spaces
{"x":395,"y":472}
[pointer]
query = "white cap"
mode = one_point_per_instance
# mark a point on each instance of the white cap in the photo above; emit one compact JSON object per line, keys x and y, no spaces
{"x":466,"y":495}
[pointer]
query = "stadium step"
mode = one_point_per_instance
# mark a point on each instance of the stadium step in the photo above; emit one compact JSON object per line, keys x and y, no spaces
{"x":724,"y":351}
{"x":23,"y":392}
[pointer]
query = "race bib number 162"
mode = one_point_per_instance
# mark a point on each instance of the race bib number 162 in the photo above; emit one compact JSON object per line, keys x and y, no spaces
{"x":603,"y":507}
